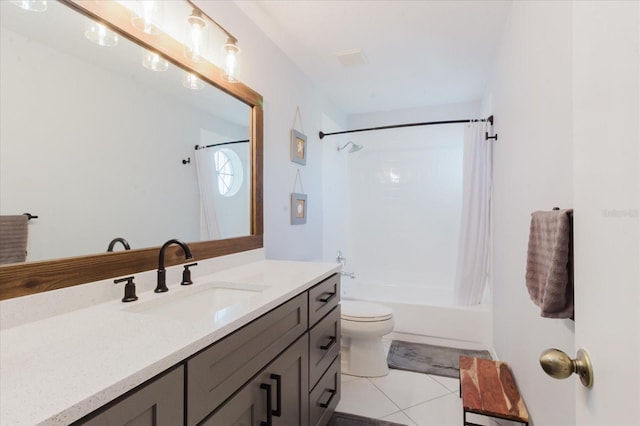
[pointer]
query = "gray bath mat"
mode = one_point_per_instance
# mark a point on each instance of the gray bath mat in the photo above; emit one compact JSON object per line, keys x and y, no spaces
{"x":344,"y":419}
{"x":429,"y":359}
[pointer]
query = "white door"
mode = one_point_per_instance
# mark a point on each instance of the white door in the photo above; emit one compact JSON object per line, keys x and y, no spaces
{"x":606,"y":69}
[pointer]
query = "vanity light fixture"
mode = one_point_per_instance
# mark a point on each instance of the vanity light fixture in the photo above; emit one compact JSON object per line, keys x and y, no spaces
{"x":230,"y":50}
{"x":191,"y":81}
{"x":100,"y":34}
{"x":197,"y":37}
{"x":32,"y":5}
{"x":231,"y":60}
{"x":148,"y":16}
{"x":153,"y":61}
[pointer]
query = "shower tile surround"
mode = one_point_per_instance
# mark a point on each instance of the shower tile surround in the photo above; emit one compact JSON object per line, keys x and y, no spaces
{"x":405,"y":201}
{"x":39,"y":370}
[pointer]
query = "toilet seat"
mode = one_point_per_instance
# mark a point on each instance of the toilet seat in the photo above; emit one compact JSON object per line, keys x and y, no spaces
{"x":364,"y":311}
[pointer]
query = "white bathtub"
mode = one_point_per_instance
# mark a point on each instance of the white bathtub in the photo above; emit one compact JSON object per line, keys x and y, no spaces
{"x":427,"y":312}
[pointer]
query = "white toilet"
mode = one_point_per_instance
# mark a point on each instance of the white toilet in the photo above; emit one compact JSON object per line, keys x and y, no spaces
{"x":363,"y":325}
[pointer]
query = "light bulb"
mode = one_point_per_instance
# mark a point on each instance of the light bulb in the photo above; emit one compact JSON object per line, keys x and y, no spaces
{"x":32,"y":5}
{"x":148,"y":16}
{"x":153,"y":61}
{"x":197,"y":37}
{"x":231,"y":61}
{"x":100,"y":34}
{"x":191,"y":81}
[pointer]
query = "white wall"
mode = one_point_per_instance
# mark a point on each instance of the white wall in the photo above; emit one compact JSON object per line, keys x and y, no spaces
{"x":530,"y":94}
{"x":266,"y":69}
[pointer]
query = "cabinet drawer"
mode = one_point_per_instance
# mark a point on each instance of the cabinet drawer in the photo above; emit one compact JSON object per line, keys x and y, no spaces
{"x":323,"y":298}
{"x":325,"y":396}
{"x":324,"y":344}
{"x":215,"y":373}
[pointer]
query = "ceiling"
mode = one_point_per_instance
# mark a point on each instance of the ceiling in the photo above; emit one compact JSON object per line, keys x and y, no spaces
{"x":415,"y":53}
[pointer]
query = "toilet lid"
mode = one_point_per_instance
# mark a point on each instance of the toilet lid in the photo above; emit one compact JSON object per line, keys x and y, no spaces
{"x":364,"y":311}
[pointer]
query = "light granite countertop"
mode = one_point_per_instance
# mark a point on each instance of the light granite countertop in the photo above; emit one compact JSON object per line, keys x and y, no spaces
{"x":56,"y":370}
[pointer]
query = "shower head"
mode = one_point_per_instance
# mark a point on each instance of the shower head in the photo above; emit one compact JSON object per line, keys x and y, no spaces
{"x":354,"y":147}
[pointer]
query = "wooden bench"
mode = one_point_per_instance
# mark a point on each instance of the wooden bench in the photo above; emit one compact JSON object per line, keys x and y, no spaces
{"x":488,"y":388}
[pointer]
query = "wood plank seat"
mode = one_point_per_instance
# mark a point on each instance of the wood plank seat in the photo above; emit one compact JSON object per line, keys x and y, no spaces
{"x":488,"y":388}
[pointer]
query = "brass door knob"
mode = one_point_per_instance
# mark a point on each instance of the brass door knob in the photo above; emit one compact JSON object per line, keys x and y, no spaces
{"x":559,"y":365}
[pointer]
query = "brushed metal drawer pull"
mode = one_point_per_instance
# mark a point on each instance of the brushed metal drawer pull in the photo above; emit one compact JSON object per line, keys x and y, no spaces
{"x":268,"y":389}
{"x":326,"y":299}
{"x":278,"y":411}
{"x":332,"y":341}
{"x":326,"y":404}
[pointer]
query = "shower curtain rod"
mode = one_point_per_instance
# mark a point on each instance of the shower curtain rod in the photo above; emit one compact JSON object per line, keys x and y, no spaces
{"x":197,"y":147}
{"x":395,"y":126}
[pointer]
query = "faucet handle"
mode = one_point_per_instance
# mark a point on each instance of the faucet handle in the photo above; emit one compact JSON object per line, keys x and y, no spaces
{"x":129,"y":289}
{"x":186,"y":274}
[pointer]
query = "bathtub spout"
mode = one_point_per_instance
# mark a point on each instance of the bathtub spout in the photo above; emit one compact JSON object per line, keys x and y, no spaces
{"x":351,"y":275}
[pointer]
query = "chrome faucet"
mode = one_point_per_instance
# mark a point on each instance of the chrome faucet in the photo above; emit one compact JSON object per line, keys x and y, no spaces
{"x":162,"y":278}
{"x":121,"y":240}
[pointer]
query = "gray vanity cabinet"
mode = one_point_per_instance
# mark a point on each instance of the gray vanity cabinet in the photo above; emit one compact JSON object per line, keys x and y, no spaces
{"x":276,"y":396}
{"x":158,"y":403}
{"x":215,"y":373}
{"x":282,"y":369}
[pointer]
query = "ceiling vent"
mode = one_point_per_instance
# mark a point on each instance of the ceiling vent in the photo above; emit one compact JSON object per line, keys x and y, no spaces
{"x":351,"y":58}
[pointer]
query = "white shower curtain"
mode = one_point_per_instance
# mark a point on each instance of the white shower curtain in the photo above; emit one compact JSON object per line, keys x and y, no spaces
{"x":207,"y":184}
{"x":473,"y":246}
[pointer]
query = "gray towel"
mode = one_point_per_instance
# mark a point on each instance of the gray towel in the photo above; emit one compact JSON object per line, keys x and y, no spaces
{"x":550,"y":263}
{"x":13,"y":238}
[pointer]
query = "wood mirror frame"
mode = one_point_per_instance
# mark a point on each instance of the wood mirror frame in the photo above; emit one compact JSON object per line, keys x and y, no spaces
{"x":35,"y":277}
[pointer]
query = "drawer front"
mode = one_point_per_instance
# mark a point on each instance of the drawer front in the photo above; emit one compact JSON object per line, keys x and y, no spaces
{"x":228,"y":364}
{"x":323,"y":298}
{"x":324,"y":345}
{"x":325,"y":396}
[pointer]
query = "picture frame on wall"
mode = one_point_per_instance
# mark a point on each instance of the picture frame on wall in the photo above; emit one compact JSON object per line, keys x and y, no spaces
{"x":298,"y":208}
{"x":298,"y":147}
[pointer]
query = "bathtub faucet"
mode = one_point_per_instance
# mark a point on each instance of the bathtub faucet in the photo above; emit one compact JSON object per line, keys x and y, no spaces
{"x":351,"y":275}
{"x":341,"y":259}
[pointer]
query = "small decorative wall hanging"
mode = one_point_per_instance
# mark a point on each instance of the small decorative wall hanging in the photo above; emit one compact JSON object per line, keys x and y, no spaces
{"x":298,"y":142}
{"x":298,"y":209}
{"x":298,"y":203}
{"x":298,"y":147}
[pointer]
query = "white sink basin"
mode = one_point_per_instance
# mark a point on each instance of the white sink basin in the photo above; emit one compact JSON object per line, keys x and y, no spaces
{"x":213,"y":301}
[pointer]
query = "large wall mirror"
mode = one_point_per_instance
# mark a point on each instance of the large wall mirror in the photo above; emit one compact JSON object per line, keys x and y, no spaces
{"x":99,"y":146}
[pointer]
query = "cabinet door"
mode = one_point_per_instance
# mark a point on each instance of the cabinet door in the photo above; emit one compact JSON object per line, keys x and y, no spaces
{"x":218,"y":371}
{"x":282,"y":387}
{"x":246,"y":408}
{"x":160,"y":403}
{"x":288,"y":376}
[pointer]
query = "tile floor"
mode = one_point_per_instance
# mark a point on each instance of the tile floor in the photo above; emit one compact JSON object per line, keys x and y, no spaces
{"x":413,"y":399}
